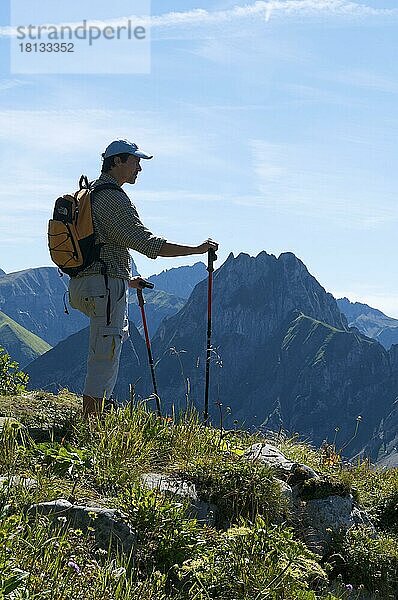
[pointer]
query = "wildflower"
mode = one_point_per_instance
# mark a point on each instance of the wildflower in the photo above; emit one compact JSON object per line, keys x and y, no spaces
{"x":118,"y":573}
{"x":74,"y":566}
{"x":62,"y":520}
{"x":359,"y":418}
{"x":349,"y":587}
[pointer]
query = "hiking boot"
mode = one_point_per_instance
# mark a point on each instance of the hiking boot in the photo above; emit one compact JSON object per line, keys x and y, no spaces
{"x":92,"y":407}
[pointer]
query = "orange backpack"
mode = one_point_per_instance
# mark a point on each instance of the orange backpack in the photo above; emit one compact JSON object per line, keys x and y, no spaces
{"x":71,"y":236}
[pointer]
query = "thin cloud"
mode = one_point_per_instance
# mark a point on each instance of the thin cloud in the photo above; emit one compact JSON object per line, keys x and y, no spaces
{"x":8,"y":84}
{"x":290,"y":180}
{"x":263,"y":10}
{"x":365,"y":79}
{"x":61,"y":133}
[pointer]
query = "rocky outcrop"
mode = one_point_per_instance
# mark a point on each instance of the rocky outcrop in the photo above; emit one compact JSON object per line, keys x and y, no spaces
{"x":201,"y":510}
{"x":272,"y":457}
{"x":110,"y":526}
{"x":320,"y":507}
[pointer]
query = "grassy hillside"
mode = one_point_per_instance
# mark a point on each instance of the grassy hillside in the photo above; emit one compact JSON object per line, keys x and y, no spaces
{"x":20,"y":343}
{"x":253,"y":550}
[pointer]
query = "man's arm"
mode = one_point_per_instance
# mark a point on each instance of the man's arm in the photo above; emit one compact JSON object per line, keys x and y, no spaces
{"x":122,"y":225}
{"x":171,"y":249}
{"x":121,"y":222}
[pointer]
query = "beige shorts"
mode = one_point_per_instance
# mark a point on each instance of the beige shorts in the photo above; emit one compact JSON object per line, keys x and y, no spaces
{"x":89,"y":295}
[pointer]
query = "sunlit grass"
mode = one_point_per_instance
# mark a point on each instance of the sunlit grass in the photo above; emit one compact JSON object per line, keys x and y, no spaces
{"x":251,"y":552}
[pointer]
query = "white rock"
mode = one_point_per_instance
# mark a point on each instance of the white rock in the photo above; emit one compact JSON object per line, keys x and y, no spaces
{"x":204,"y":512}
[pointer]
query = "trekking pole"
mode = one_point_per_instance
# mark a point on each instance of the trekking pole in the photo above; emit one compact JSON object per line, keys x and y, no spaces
{"x":141,"y":302}
{"x":212,"y":256}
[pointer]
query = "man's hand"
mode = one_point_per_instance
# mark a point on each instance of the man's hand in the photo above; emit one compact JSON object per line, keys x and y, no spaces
{"x":207,"y":245}
{"x":136,"y":283}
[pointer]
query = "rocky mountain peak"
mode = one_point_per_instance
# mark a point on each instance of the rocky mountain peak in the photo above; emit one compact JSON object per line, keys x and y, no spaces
{"x":279,"y":337}
{"x":180,"y":281}
{"x":270,"y":289}
{"x":353,"y":310}
{"x":370,"y":321}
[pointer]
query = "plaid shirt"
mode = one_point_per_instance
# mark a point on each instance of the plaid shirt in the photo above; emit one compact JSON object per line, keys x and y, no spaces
{"x":118,"y":226}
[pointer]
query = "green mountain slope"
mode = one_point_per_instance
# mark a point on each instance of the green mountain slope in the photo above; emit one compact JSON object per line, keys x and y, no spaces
{"x":22,"y":345}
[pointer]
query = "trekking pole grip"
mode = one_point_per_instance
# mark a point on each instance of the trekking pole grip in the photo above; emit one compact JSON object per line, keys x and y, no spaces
{"x":147,"y":284}
{"x":211,"y":258}
{"x":143,"y":284}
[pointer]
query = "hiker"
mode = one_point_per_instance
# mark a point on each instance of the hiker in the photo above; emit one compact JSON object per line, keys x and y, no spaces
{"x":100,"y":290}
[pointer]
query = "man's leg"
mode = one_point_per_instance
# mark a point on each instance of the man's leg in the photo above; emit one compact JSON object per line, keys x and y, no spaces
{"x":105,"y":347}
{"x":105,"y":340}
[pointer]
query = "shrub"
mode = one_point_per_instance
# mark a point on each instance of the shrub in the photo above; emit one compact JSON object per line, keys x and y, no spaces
{"x":371,"y":561}
{"x":239,"y":488}
{"x":12,"y":380}
{"x":257,"y":561}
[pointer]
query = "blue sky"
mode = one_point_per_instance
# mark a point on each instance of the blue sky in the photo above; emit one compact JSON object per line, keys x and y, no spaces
{"x":273,"y":124}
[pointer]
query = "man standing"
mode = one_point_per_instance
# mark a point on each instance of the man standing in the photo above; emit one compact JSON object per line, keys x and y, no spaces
{"x":100,"y":291}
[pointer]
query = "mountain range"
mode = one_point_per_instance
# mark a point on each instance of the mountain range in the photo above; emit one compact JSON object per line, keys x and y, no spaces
{"x":65,"y":366}
{"x":180,"y":281}
{"x":370,"y":321}
{"x":159,"y":305}
{"x":283,"y":356}
{"x":35,"y":298}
